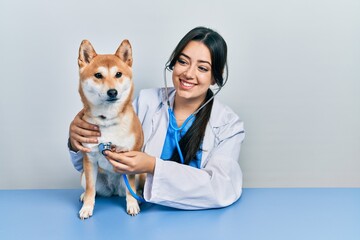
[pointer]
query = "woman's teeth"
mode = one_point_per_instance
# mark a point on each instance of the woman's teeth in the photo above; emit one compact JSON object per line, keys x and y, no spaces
{"x":187,"y":84}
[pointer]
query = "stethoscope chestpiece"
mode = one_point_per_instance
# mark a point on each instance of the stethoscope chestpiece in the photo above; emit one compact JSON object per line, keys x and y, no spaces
{"x":104,"y":146}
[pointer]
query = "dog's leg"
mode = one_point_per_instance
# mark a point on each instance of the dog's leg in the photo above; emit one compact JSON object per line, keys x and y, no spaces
{"x":132,"y":205}
{"x":89,"y":181}
{"x":141,"y":183}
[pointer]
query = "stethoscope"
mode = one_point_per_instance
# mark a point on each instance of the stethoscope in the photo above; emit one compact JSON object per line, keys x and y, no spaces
{"x":172,"y":118}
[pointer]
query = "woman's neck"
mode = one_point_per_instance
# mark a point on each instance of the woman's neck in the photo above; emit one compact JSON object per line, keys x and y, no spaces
{"x":183,"y":108}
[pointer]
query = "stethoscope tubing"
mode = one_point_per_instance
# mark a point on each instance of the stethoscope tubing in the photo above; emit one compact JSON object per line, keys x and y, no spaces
{"x":172,"y":115}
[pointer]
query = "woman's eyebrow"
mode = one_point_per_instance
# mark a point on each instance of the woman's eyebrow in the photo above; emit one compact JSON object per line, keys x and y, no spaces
{"x":201,"y":61}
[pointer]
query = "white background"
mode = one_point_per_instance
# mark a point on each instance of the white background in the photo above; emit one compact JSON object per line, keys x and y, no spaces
{"x":294,"y":80}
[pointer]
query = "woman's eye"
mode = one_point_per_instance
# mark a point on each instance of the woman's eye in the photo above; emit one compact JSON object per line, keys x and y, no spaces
{"x":181,"y":61}
{"x":203,"y":69}
{"x":118,"y":75}
{"x":98,"y":75}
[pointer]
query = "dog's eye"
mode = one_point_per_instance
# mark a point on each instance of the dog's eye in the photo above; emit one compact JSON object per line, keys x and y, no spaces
{"x":118,"y":75}
{"x":98,"y":75}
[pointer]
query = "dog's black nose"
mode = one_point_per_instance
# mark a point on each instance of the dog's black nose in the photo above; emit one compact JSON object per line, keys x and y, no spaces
{"x":112,"y":93}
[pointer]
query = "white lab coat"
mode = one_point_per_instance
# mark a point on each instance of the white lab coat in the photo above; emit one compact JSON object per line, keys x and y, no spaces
{"x":218,"y":183}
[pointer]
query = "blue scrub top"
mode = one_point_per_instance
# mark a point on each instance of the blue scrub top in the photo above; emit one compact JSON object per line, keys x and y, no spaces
{"x":170,"y":144}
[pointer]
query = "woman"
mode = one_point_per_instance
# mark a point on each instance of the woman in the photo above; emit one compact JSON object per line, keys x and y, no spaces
{"x":191,"y":141}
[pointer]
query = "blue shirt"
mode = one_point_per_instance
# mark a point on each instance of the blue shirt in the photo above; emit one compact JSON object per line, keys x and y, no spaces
{"x":170,"y":142}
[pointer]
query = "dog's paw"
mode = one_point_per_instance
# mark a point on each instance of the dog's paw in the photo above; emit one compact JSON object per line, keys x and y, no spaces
{"x":132,"y":208}
{"x":86,"y":211}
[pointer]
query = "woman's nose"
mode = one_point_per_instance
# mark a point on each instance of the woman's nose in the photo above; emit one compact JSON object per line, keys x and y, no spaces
{"x":190,"y":72}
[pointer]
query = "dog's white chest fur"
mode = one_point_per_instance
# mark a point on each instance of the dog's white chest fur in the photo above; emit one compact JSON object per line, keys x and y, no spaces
{"x":117,"y":131}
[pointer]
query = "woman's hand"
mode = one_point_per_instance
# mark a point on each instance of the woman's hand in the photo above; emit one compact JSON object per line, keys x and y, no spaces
{"x":132,"y":162}
{"x":80,"y":132}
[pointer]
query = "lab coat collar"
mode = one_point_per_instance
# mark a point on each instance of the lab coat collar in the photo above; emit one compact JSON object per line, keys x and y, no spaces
{"x":164,"y":98}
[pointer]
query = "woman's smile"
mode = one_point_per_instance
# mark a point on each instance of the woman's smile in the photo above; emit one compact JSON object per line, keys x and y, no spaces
{"x":186,"y":85}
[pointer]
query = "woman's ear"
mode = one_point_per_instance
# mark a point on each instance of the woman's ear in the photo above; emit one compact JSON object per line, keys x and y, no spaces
{"x":213,"y":82}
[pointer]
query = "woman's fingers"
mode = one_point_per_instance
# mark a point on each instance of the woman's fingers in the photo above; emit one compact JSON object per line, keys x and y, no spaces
{"x":118,"y":166}
{"x":113,"y":156}
{"x":82,"y":132}
{"x":119,"y":160}
{"x":82,"y":139}
{"x":82,"y":127}
{"x":131,"y":162}
{"x":130,"y":154}
{"x":87,"y":126}
{"x":85,"y":132}
{"x":77,"y":145}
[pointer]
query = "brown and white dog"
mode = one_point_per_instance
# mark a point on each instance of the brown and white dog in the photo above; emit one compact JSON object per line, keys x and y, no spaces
{"x":106,"y":90}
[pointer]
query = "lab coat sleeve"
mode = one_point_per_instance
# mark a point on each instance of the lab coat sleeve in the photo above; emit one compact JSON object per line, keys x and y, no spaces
{"x":218,"y":184}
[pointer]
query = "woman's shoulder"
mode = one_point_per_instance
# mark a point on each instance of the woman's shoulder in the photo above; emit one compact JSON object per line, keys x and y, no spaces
{"x":151,"y":100}
{"x":154,"y":95}
{"x":222,"y":114}
{"x":224,"y":119}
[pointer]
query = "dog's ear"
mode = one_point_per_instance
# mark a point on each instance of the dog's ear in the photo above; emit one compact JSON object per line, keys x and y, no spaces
{"x":86,"y":53}
{"x":124,"y":52}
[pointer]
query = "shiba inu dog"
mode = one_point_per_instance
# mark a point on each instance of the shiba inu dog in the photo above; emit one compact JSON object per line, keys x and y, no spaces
{"x":106,"y":90}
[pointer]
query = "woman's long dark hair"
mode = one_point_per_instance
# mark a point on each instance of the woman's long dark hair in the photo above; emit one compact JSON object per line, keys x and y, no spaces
{"x":190,"y":143}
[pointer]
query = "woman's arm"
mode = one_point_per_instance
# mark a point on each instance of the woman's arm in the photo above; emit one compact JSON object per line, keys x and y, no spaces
{"x":218,"y":184}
